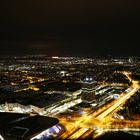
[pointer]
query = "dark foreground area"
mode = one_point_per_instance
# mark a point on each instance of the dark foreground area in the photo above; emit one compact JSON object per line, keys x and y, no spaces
{"x":118,"y":136}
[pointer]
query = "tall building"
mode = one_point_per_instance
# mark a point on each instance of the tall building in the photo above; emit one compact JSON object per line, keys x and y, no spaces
{"x":88,"y":90}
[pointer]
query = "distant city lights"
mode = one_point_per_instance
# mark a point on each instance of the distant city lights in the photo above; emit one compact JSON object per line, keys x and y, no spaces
{"x":55,"y":57}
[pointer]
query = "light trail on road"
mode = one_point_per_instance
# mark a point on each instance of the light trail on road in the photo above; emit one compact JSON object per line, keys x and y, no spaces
{"x":118,"y":103}
{"x":102,"y":118}
{"x":78,"y":133}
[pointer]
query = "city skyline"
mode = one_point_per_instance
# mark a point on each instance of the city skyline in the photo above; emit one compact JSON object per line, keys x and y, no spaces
{"x":69,"y":69}
{"x":45,"y":97}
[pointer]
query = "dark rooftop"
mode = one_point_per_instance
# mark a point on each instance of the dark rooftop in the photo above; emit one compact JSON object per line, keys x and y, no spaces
{"x":16,"y":126}
{"x":39,"y":100}
{"x":43,"y":100}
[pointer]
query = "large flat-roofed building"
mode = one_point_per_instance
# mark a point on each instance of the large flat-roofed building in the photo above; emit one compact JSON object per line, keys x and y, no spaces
{"x":43,"y":103}
{"x":88,"y":89}
{"x":14,"y":126}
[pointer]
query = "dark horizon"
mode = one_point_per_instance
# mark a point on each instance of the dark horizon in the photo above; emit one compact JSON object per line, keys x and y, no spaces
{"x":70,"y":28}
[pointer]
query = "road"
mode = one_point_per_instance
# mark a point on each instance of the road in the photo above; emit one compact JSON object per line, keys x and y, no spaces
{"x":118,"y":103}
{"x":101,"y":119}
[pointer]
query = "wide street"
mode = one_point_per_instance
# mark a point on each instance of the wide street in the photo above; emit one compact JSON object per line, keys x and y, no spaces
{"x":100,"y":121}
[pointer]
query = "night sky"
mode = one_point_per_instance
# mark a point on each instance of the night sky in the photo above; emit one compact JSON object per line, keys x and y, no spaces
{"x":70,"y":27}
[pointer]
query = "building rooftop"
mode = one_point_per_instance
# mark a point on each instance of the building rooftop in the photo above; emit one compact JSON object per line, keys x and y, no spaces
{"x":40,"y":100}
{"x":16,"y":126}
{"x":43,"y":100}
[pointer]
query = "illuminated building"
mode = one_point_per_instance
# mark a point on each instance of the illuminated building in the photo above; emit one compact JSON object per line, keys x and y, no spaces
{"x":88,"y":90}
{"x":49,"y":104}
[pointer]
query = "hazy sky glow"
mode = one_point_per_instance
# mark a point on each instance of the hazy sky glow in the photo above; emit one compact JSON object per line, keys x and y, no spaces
{"x":72,"y":27}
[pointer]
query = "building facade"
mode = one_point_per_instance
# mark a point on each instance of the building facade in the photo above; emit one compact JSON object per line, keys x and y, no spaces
{"x":88,"y":90}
